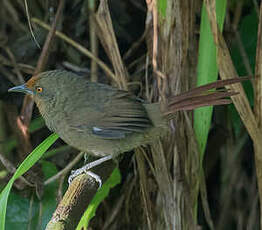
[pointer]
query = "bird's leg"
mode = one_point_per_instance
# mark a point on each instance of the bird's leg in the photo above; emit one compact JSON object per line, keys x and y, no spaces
{"x":88,"y":166}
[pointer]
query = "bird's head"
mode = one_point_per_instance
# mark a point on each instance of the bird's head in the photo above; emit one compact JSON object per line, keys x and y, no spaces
{"x":45,"y":87}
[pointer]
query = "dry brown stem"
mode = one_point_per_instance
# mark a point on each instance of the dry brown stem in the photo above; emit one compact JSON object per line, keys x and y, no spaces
{"x":107,"y":37}
{"x":77,"y":198}
{"x":26,"y":112}
{"x":22,"y":121}
{"x":227,"y":70}
{"x":80,"y":48}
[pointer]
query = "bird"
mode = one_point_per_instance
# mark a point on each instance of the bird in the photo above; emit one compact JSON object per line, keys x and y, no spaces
{"x":104,"y":121}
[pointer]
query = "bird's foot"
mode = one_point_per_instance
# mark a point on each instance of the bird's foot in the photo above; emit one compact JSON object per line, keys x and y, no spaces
{"x":77,"y":172}
{"x":85,"y":169}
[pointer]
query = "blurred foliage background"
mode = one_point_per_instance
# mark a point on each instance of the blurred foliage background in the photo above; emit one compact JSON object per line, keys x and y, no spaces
{"x":228,"y":162}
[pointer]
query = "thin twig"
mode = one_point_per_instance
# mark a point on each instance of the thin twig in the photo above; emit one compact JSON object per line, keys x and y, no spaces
{"x":79,"y":47}
{"x":93,"y":39}
{"x":15,"y":65}
{"x":8,"y":75}
{"x":26,"y":112}
{"x":30,"y":25}
{"x":60,"y":188}
{"x":135,"y":45}
{"x":11,"y":169}
{"x":46,"y":49}
{"x":65,"y":170}
{"x":151,"y":5}
{"x":107,"y":38}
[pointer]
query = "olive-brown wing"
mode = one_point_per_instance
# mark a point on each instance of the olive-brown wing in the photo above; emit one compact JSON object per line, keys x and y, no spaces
{"x":109,"y":113}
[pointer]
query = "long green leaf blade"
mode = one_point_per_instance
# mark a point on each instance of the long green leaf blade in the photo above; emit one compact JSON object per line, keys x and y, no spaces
{"x":31,"y":159}
{"x":101,"y":194}
{"x":207,"y":71}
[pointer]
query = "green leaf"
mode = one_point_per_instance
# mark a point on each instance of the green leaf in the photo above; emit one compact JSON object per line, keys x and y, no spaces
{"x":161,"y":5}
{"x":20,"y":214}
{"x":31,"y":159}
{"x":49,"y":168}
{"x":23,"y":212}
{"x":101,"y":194}
{"x":207,"y":71}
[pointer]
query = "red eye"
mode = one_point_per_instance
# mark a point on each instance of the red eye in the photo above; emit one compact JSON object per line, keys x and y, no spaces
{"x":39,"y":89}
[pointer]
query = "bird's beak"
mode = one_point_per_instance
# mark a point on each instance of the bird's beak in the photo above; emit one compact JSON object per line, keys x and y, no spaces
{"x":22,"y":89}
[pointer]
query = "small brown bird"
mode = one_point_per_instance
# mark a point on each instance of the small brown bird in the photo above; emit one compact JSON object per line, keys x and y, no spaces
{"x":104,"y":121}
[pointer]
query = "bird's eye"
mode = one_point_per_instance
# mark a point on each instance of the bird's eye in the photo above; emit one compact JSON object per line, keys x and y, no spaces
{"x":39,"y":89}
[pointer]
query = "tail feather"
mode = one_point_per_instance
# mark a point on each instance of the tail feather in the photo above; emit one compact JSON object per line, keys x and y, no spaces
{"x":214,"y":85}
{"x":201,"y":96}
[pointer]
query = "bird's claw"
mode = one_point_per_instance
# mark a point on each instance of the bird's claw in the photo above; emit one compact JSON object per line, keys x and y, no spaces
{"x":77,"y":172}
{"x":96,"y":177}
{"x":88,"y":166}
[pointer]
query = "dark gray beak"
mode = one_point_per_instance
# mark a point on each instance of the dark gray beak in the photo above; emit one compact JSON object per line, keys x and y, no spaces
{"x":21,"y":89}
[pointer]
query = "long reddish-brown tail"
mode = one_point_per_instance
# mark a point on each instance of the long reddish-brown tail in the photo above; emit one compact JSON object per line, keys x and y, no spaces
{"x":205,"y":95}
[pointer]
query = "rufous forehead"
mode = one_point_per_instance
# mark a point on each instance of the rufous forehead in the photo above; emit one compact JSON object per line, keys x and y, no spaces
{"x":31,"y":82}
